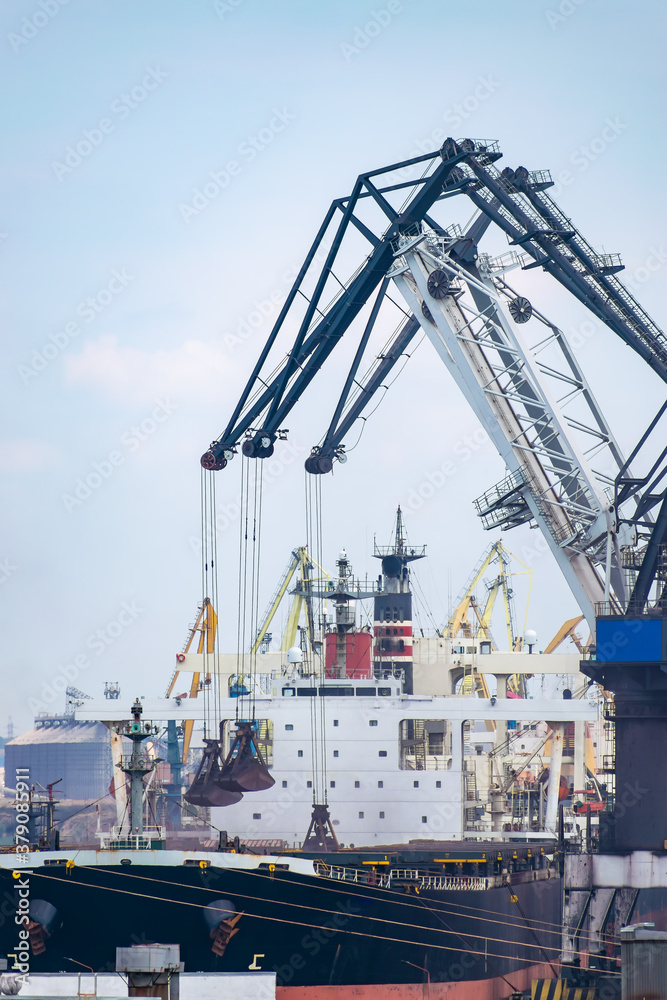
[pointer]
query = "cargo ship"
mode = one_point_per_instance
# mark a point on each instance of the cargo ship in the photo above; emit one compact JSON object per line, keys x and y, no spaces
{"x":436,"y":885}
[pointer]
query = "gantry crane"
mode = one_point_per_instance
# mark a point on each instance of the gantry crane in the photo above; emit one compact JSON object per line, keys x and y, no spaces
{"x":603,"y":516}
{"x":565,"y":471}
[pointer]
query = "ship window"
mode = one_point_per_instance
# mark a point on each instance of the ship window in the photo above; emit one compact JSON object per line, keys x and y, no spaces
{"x":309,"y":784}
{"x":284,"y":784}
{"x":335,"y":753}
{"x":395,"y":631}
{"x":256,"y":815}
{"x":381,"y":815}
{"x":306,"y":692}
{"x":357,"y":784}
{"x":424,"y":819}
{"x":384,"y":692}
{"x":415,"y":784}
{"x":288,"y":692}
{"x":361,"y":815}
{"x":332,"y":784}
{"x":372,"y":722}
{"x":299,"y":753}
{"x":364,"y":692}
{"x":382,"y":753}
{"x":335,"y":722}
{"x":336,"y":692}
{"x":289,"y":727}
{"x":438,"y":784}
{"x":380,"y":784}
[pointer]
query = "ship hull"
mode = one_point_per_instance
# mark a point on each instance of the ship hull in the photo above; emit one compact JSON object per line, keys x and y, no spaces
{"x":320,"y":936}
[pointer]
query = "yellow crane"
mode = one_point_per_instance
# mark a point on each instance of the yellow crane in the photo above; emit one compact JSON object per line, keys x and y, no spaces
{"x":206,"y":625}
{"x":568,"y":630}
{"x":302,"y":600}
{"x":461,"y":623}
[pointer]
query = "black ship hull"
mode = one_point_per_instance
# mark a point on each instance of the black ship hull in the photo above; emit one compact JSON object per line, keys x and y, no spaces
{"x":313,"y":931}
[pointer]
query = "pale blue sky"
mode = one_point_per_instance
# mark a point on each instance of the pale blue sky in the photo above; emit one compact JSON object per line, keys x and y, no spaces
{"x":219,"y":72}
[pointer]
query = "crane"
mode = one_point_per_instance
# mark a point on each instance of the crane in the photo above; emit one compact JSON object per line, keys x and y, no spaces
{"x":565,"y":471}
{"x":301,"y":560}
{"x":206,"y":625}
{"x":459,"y":621}
{"x":422,"y":275}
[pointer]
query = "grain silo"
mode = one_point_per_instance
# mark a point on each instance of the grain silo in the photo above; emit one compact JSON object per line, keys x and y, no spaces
{"x":58,"y":747}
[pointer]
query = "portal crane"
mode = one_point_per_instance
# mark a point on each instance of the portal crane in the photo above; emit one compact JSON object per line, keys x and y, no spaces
{"x":459,"y":621}
{"x":302,"y":601}
{"x":565,"y":471}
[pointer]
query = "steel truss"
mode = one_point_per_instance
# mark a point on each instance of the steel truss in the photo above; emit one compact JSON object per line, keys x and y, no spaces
{"x":566,"y":472}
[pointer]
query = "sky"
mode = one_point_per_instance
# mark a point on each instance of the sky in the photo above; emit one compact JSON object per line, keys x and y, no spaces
{"x":130,"y":298}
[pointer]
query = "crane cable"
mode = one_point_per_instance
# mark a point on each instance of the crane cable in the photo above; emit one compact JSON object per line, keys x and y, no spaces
{"x":308,"y":652}
{"x":313,"y":490}
{"x":208,"y":572}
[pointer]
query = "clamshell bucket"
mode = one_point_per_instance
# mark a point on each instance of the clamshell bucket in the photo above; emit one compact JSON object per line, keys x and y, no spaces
{"x":206,"y":790}
{"x":244,"y":769}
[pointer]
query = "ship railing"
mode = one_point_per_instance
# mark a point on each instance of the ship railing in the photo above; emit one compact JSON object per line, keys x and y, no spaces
{"x":120,"y":839}
{"x":401,"y":876}
{"x":341,"y":874}
{"x":411,"y":876}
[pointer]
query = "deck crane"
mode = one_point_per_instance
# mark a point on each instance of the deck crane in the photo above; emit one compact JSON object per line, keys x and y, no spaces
{"x":565,"y":471}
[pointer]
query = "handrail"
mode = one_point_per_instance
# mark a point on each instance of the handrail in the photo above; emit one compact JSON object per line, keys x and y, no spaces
{"x":386,"y":880}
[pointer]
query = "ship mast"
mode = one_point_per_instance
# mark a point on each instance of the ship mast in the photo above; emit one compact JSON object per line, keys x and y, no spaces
{"x":393,"y":606}
{"x":137,"y":764}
